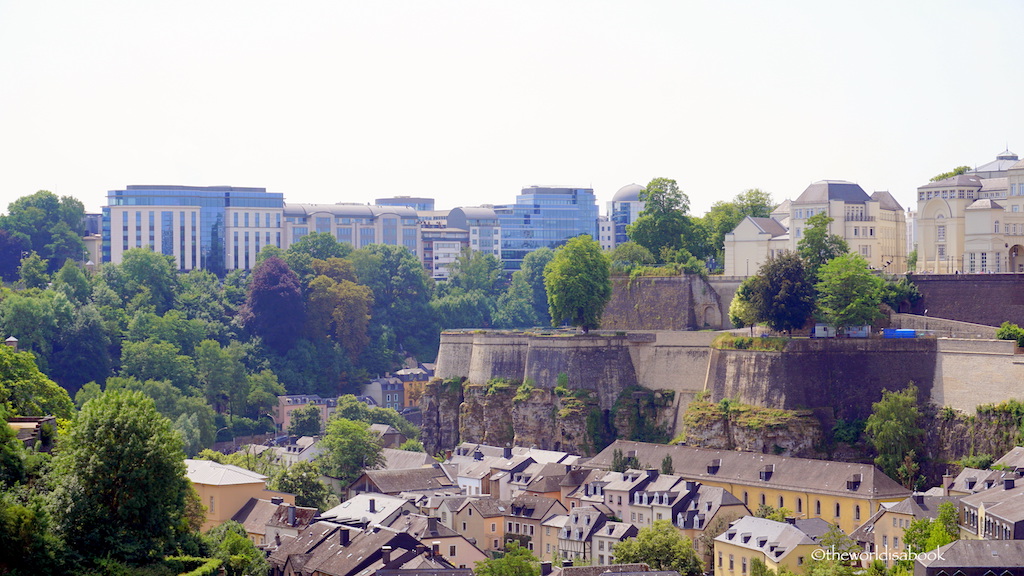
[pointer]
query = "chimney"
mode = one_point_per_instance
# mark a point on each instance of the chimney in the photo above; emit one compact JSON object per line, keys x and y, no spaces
{"x":277,"y":500}
{"x":1007,"y":483}
{"x":791,"y":520}
{"x":386,"y":555}
{"x":432,"y":524}
{"x":291,"y":516}
{"x":919,"y":499}
{"x":343,"y":536}
{"x":373,"y":505}
{"x":545,"y":568}
{"x":947,"y":481}
{"x":507,"y":452}
{"x":652,"y":474}
{"x":566,"y":563}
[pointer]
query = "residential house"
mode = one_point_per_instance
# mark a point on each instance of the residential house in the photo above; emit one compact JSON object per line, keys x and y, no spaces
{"x":369,"y":510}
{"x":973,"y":558}
{"x":35,"y":432}
{"x":268,"y":521}
{"x":539,"y":480}
{"x":523,"y":519}
{"x":413,"y":381}
{"x":302,"y":449}
{"x":503,"y":472}
{"x":224,"y":489}
{"x":455,"y":547}
{"x":445,"y":508}
{"x":774,"y":543}
{"x":575,"y":541}
{"x":390,"y":437}
{"x":394,"y":482}
{"x":282,"y":413}
{"x":603,"y":541}
{"x":883,"y":532}
{"x":994,"y":514}
{"x":974,"y":480}
{"x":551,"y":530}
{"x":483,"y":519}
{"x":329,"y":549}
{"x":842,"y":493}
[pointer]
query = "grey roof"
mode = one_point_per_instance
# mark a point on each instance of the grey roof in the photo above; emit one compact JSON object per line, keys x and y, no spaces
{"x":1007,"y":504}
{"x":1012,"y":459}
{"x":214,"y":474}
{"x":774,"y":539}
{"x":534,"y":507}
{"x":407,"y":480}
{"x":922,"y":506}
{"x":973,"y":480}
{"x":985,"y":204}
{"x":995,"y":184}
{"x":959,"y":181}
{"x":814,"y":476}
{"x":769,"y":226}
{"x":886,"y":201}
{"x":823,"y":191}
{"x":398,"y":459}
{"x":348,"y":210}
{"x":618,"y":530}
{"x":977,"y":553}
{"x":356,"y":508}
{"x":419,"y":526}
{"x":1018,"y":166}
{"x":614,"y":568}
{"x":490,"y":507}
{"x":628,"y":193}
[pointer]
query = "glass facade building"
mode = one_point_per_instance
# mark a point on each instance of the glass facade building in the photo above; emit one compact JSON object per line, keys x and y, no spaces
{"x":544,"y":217}
{"x":191,"y":223}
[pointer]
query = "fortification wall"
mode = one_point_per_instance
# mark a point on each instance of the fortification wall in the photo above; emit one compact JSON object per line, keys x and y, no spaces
{"x":975,"y":372}
{"x":685,"y":302}
{"x":846,"y":375}
{"x":942,"y":327}
{"x":988,"y":299}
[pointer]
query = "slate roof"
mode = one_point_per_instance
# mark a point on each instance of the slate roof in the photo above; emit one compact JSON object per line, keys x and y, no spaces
{"x":974,"y":480}
{"x":615,"y":569}
{"x":961,"y":181}
{"x":927,"y":507}
{"x":977,"y":553}
{"x":823,"y":191}
{"x":617,"y":530}
{"x":762,"y":535}
{"x":886,"y":201}
{"x":410,"y":479}
{"x":402,"y":459}
{"x":214,"y":474}
{"x":533,"y":507}
{"x":1014,"y":458}
{"x":490,"y":507}
{"x":985,"y":204}
{"x":769,"y":226}
{"x":803,"y":474}
{"x":358,"y":507}
{"x":254,"y":515}
{"x":418,"y":526}
{"x":999,"y":502}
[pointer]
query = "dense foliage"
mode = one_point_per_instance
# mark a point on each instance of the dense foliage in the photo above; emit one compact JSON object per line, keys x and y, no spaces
{"x":578,"y":281}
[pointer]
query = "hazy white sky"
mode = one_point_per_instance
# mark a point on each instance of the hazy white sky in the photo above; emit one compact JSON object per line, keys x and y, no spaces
{"x":468,"y":102}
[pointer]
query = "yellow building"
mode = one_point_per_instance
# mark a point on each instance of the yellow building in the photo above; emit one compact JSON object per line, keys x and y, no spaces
{"x":224,"y":489}
{"x":883,"y":533}
{"x":842,"y":493}
{"x":774,"y":543}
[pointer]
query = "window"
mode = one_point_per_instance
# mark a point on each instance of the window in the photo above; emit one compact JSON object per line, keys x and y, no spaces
{"x":865,"y":250}
{"x":798,"y":233}
{"x":744,"y":498}
{"x":856,"y":231}
{"x":731,"y":565}
{"x":895,"y":541}
{"x":762,"y":500}
{"x":781,"y":502}
{"x":996,"y":227}
{"x":837,"y":509}
{"x":743,"y":565}
{"x":817,"y":507}
{"x":494,"y":527}
{"x":799,"y":504}
{"x":940,"y":233}
{"x":212,"y":508}
{"x":640,"y":518}
{"x":463,"y":526}
{"x":942,"y":251}
{"x":451,"y":550}
{"x":856,"y":512}
{"x":719,"y":559}
{"x":885,"y":541}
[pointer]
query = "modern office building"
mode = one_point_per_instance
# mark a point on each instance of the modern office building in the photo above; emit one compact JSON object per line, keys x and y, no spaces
{"x":624,"y":209}
{"x":544,"y":217}
{"x":359,"y":225}
{"x":418,"y":204}
{"x":483,"y":226}
{"x":216,"y":228}
{"x":441,"y":247}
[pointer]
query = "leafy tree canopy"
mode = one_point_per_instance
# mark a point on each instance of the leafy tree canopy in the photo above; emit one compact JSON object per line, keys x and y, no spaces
{"x":849,"y":293}
{"x":348,"y":448}
{"x":661,"y":547}
{"x":25,"y":391}
{"x":818,"y":246}
{"x":954,"y":172}
{"x":893,"y":429}
{"x":517,"y":561}
{"x":578,"y":280}
{"x":780,"y":294}
{"x":273,"y":309}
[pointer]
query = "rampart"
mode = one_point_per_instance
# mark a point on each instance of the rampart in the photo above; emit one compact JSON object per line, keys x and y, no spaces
{"x":988,"y":299}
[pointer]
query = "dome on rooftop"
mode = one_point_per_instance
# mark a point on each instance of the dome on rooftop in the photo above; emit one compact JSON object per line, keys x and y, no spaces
{"x":630,"y":193}
{"x":1007,"y":155}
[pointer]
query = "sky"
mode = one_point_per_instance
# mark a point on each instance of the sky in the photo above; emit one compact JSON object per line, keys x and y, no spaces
{"x":467,"y":102}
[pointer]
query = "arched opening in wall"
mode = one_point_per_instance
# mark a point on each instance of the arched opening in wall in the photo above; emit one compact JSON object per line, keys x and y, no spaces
{"x":1017,"y":259}
{"x":713,"y":317}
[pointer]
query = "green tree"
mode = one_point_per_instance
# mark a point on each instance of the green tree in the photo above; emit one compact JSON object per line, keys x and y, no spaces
{"x":849,"y":294}
{"x":661,"y":547}
{"x":664,"y":221}
{"x":903,"y":291}
{"x":25,"y":391}
{"x":723,"y":217}
{"x":818,"y":246}
{"x":73,"y":282}
{"x":156,"y":360}
{"x":912,"y":260}
{"x":33,"y":271}
{"x":843,"y":548}
{"x":475,"y":270}
{"x":52,"y":226}
{"x":666,"y":465}
{"x":741,"y":310}
{"x":954,"y":172}
{"x":321,"y":246}
{"x":893,"y":429}
{"x":348,"y":448}
{"x":517,"y":561}
{"x":533,"y":266}
{"x":515,"y":306}
{"x":303,"y":480}
{"x":780,"y":294}
{"x":221,"y":375}
{"x":239,"y":556}
{"x":143,"y":279}
{"x":412,"y":445}
{"x":629,"y":254}
{"x":772,"y":513}
{"x":305,"y":421}
{"x":121,"y":489}
{"x":578,"y":280}
{"x":401,"y":298}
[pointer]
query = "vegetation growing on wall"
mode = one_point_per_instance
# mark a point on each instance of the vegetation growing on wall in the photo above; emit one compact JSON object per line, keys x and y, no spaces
{"x":728,"y":341}
{"x":701,"y":413}
{"x":635,"y":414}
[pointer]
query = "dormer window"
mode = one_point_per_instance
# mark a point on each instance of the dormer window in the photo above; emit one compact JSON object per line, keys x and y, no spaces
{"x":766,"y":472}
{"x":853,"y":482}
{"x":745,"y":537}
{"x":730,"y":534}
{"x":761,"y":542}
{"x":714,"y":465}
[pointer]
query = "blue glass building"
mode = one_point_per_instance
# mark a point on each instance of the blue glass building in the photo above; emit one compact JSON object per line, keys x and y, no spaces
{"x":544,"y":217}
{"x":190,"y":223}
